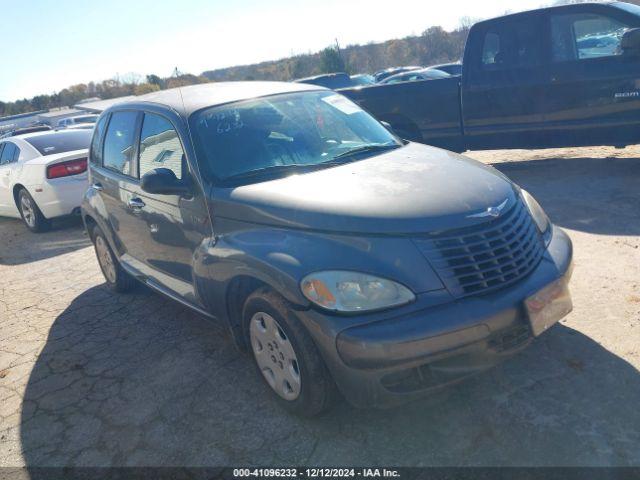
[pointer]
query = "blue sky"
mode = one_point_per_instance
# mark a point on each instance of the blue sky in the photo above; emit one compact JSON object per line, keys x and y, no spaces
{"x":51,"y":44}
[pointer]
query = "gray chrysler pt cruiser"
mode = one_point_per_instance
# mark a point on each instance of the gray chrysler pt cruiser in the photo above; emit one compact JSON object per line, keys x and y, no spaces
{"x":339,"y":257}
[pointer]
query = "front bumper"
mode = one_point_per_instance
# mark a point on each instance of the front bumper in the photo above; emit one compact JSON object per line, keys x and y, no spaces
{"x":401,"y":357}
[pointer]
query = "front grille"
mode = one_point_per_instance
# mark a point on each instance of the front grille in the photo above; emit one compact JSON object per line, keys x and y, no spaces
{"x":488,"y":256}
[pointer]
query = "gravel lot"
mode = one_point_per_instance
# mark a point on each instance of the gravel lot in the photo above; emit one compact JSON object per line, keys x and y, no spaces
{"x":91,"y":378}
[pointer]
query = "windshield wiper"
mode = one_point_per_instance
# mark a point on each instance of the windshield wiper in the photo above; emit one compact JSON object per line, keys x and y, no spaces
{"x":303,"y":168}
{"x":372,"y":147}
{"x":272,"y":169}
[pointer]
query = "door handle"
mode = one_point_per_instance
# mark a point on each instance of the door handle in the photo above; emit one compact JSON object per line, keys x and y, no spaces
{"x":97,"y":186}
{"x":135,"y":203}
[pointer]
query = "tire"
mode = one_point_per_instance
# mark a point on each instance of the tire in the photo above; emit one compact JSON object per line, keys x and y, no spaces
{"x":116,"y":277}
{"x":31,"y":215}
{"x":283,"y":349}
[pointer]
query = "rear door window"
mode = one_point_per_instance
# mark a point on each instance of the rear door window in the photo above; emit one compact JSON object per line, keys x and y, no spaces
{"x":8,"y":154}
{"x":160,"y":145}
{"x":118,"y":151}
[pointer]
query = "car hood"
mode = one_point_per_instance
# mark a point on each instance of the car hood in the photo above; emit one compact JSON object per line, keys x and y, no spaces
{"x":412,"y":189}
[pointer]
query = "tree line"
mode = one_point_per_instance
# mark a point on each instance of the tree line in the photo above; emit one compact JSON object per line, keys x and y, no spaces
{"x":434,"y":45}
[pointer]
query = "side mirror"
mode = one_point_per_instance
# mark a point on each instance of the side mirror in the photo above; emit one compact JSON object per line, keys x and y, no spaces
{"x":630,"y":43}
{"x":163,"y":181}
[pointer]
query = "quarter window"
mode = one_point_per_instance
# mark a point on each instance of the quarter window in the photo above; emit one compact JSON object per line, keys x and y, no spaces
{"x":96,"y":154}
{"x":160,"y":146}
{"x":584,"y":36}
{"x":119,"y":142}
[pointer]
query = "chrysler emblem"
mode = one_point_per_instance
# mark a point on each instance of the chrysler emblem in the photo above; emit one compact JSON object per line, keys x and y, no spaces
{"x":491,"y":211}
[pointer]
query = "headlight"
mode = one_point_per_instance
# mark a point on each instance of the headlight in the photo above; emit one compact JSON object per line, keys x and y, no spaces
{"x":541,"y":219}
{"x":345,"y":291}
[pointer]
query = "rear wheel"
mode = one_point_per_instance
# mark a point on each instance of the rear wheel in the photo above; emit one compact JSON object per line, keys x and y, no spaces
{"x":286,"y":356}
{"x":117,"y":278}
{"x":31,"y":214}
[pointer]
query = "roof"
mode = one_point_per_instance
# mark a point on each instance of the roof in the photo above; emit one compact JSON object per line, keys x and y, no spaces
{"x":98,"y":106}
{"x":60,"y":112}
{"x":21,"y":115}
{"x":566,"y":6}
{"x":186,"y":100}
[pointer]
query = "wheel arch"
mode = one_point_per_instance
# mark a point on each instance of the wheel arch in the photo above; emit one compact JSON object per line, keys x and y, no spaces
{"x":237,"y":292}
{"x":89,"y":224}
{"x":240,"y":287}
{"x":16,"y":191}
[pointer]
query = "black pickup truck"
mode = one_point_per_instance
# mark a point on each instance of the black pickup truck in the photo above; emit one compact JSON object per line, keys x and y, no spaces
{"x":559,"y":76}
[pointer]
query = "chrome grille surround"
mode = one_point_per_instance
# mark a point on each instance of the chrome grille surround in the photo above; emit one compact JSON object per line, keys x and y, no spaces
{"x":487,"y":256}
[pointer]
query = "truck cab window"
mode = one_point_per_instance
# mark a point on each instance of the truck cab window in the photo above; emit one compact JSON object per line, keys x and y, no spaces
{"x":583,"y":36}
{"x":513,"y":45}
{"x":490,"y":48}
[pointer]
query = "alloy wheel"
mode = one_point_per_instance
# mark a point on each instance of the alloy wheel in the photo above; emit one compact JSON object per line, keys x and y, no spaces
{"x":28,"y":211}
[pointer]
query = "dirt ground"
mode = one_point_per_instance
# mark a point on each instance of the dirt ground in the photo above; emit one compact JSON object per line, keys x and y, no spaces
{"x":91,"y":378}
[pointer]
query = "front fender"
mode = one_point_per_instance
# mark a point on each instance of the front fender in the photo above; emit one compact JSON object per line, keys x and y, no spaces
{"x":281,"y":257}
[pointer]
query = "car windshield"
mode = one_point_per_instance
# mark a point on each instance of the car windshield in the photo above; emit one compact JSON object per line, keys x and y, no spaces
{"x":60,"y":142}
{"x":285,"y":134}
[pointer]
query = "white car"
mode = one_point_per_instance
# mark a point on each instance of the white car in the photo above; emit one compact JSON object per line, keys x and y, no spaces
{"x":43,"y":175}
{"x":86,"y":121}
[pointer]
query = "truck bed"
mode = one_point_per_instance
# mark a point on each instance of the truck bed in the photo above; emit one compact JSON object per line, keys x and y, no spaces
{"x":425,"y":111}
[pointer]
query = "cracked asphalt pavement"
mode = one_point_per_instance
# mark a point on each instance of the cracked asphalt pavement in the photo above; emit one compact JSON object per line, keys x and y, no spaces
{"x":92,"y":378}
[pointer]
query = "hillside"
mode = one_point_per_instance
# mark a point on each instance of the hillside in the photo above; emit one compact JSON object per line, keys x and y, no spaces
{"x":435,"y":45}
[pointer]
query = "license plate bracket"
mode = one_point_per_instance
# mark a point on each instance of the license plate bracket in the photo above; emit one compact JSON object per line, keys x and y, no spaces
{"x":547,"y":306}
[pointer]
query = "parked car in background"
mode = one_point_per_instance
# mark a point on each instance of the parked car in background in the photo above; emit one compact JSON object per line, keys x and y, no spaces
{"x":362,"y":79}
{"x":77,"y":120}
{"x":539,"y":79}
{"x":43,"y":175}
{"x":413,"y":75}
{"x":23,"y":130}
{"x":450,"y":68}
{"x":382,"y":74}
{"x":334,"y":253}
{"x":329,"y":80}
{"x":79,"y":126}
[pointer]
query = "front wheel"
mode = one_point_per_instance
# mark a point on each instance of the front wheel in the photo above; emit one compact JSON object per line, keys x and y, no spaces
{"x":286,"y":356}
{"x":31,"y":214}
